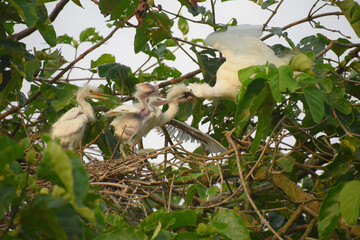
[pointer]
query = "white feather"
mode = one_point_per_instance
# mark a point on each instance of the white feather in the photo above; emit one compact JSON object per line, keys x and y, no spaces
{"x":242,"y":48}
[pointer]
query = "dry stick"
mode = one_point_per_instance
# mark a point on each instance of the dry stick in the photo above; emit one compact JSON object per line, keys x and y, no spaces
{"x":26,"y":32}
{"x":170,"y":193}
{"x":302,"y":21}
{"x":57,"y":77}
{"x":228,"y":136}
{"x":264,"y":149}
{"x":94,"y":140}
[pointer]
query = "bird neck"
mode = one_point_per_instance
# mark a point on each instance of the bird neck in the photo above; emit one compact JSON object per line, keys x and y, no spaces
{"x":169,"y":114}
{"x":87,"y":108}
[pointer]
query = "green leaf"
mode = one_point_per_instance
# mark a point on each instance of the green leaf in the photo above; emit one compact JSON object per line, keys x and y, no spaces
{"x":151,"y":222}
{"x":350,"y":202}
{"x":7,"y":194}
{"x":81,"y":179}
{"x":315,"y":101}
{"x":124,"y":233}
{"x":26,"y":10}
{"x":155,"y":28}
{"x":248,"y":103}
{"x":231,"y":224}
{"x":118,"y":9}
{"x":264,"y":122}
{"x":351,"y":10}
{"x":114,"y":71}
{"x":286,"y":80}
{"x":65,"y":96}
{"x":276,"y":30}
{"x":56,"y":166}
{"x":89,"y":35}
{"x":183,"y":26}
{"x":302,"y":63}
{"x":337,"y":100}
{"x":47,"y":32}
{"x":329,"y":214}
{"x":105,"y":58}
{"x":10,"y":151}
{"x":286,"y":164}
{"x":182,"y":218}
{"x":273,"y":76}
{"x":30,"y":68}
{"x":187,"y":236}
{"x":38,"y":216}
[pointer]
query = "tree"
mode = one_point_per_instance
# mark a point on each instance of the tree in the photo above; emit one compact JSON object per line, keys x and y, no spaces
{"x":292,"y":168}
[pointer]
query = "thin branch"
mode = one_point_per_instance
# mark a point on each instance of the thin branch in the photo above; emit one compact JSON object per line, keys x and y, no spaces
{"x":273,"y":14}
{"x":57,"y":77}
{"x":303,"y":21}
{"x":26,"y":32}
{"x":179,"y":79}
{"x":228,"y":136}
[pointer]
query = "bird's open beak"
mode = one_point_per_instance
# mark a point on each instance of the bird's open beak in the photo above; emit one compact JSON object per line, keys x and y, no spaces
{"x":99,"y":95}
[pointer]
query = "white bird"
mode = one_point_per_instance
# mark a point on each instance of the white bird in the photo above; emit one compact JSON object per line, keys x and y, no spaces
{"x":181,"y":131}
{"x":71,"y":126}
{"x":242,"y":48}
{"x":135,"y":121}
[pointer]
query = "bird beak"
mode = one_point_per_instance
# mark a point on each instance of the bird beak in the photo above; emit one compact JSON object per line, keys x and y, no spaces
{"x":161,"y":102}
{"x":99,"y":95}
{"x":191,"y":97}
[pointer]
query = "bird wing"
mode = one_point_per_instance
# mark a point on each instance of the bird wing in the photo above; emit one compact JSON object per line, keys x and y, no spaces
{"x":126,"y":125}
{"x":182,"y":131}
{"x":73,"y":121}
{"x":243,"y":42}
{"x":123,"y":109}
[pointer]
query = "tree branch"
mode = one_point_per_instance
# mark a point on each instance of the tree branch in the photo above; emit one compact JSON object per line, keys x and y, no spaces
{"x":26,"y":32}
{"x":302,"y":21}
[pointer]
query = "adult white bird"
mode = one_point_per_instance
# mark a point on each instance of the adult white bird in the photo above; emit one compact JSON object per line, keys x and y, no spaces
{"x":242,"y":48}
{"x":71,"y":126}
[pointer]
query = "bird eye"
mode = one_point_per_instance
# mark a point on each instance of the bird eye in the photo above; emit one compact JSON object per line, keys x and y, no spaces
{"x":91,"y":91}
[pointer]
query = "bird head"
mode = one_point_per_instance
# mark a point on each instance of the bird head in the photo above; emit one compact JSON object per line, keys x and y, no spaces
{"x":180,"y":93}
{"x":88,"y":91}
{"x":145,"y":90}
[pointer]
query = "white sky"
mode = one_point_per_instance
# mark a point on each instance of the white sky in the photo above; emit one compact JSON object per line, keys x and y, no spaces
{"x":73,"y":19}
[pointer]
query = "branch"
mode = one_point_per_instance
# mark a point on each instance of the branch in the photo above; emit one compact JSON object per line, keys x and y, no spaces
{"x":179,"y":79}
{"x":67,"y":68}
{"x":302,"y":21}
{"x":228,"y":136}
{"x":26,"y":32}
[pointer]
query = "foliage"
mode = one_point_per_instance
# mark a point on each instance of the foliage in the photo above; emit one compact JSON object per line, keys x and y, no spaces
{"x":296,"y":127}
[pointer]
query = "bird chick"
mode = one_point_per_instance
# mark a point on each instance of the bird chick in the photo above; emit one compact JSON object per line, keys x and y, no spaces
{"x":71,"y":126}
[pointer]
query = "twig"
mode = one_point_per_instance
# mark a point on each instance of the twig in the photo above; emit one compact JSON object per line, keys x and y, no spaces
{"x":302,"y":21}
{"x":273,"y":14}
{"x":228,"y":136}
{"x":179,"y":79}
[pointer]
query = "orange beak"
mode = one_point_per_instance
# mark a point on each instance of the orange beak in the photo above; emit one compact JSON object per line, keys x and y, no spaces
{"x":99,"y":95}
